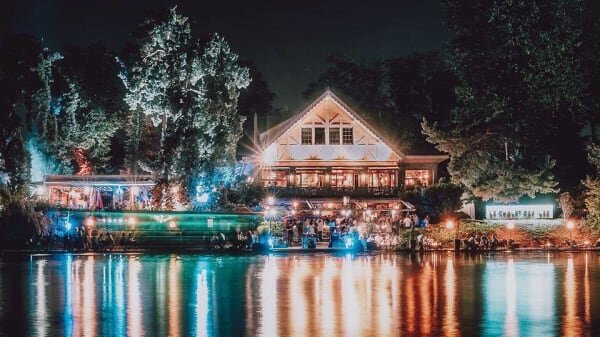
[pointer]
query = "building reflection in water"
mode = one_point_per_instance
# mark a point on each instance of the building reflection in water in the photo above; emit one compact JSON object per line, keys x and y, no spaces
{"x":450,"y":327}
{"x":40,"y":304}
{"x":317,"y":295}
{"x":202,"y":305}
{"x":134,"y":303}
{"x":174,"y":303}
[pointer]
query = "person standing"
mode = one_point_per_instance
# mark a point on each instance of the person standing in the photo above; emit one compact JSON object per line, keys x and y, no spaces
{"x":290,"y":233}
{"x":320,"y":230}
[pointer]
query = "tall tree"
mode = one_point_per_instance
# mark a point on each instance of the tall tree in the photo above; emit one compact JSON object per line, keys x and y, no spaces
{"x":215,"y":125}
{"x":191,"y":93}
{"x":592,"y":184}
{"x":588,"y":53}
{"x":519,"y":88}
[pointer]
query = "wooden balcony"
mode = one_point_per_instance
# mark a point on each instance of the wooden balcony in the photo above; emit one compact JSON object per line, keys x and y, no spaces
{"x":323,"y":192}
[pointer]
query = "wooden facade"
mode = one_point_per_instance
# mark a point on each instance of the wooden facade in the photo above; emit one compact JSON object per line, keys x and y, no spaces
{"x":328,"y":148}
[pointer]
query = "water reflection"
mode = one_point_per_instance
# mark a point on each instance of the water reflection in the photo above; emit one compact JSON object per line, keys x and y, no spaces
{"x":317,"y":295}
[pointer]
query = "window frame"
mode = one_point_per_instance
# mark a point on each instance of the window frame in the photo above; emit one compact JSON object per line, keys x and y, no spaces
{"x":339,"y":139}
{"x":315,"y":136}
{"x":309,"y":133}
{"x":344,"y":139}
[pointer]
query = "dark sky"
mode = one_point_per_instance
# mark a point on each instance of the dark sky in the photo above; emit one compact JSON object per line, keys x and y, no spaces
{"x":288,"y":40}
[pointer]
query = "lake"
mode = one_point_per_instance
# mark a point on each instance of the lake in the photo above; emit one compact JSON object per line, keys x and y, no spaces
{"x":379,"y":294}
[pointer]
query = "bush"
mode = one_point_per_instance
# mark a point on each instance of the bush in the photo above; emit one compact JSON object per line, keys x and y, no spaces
{"x":437,"y":200}
{"x":19,"y":222}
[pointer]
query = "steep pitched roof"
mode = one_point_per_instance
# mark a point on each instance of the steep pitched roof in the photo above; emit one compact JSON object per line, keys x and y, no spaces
{"x":271,"y":135}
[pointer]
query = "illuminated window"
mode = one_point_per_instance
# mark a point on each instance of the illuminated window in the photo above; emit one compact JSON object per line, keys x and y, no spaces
{"x":334,"y":136}
{"x":319,"y":136}
{"x":347,"y":136}
{"x":306,"y":136}
{"x":416,"y":177}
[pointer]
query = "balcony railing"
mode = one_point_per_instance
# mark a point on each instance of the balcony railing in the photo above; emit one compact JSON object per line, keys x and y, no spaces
{"x":362,"y":192}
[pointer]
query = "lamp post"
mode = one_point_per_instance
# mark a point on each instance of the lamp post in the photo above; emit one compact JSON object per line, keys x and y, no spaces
{"x":450,"y":224}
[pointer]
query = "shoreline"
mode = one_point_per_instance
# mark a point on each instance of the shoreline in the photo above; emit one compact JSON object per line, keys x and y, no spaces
{"x":294,"y":250}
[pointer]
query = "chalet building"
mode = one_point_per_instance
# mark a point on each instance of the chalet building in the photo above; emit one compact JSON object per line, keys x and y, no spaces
{"x":328,"y":151}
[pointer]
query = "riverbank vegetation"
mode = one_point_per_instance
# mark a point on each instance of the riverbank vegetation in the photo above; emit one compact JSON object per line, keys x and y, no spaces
{"x":513,"y":100}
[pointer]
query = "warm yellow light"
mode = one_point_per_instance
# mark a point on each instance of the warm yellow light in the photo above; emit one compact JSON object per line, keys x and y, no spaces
{"x":510,"y":225}
{"x":270,"y":200}
{"x":89,"y":222}
{"x":131,"y":221}
{"x":293,"y":212}
{"x":570,"y":225}
{"x":586,"y":242}
{"x":330,"y":205}
{"x":449,"y":224}
{"x":172,"y":224}
{"x":295,"y":204}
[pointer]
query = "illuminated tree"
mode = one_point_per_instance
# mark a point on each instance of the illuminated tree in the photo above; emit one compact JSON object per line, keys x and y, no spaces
{"x":191,"y":93}
{"x":592,"y":184}
{"x":519,"y":92}
{"x":157,"y":83}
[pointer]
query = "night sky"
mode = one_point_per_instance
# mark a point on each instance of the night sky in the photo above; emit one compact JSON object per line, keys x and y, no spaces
{"x":288,"y":40}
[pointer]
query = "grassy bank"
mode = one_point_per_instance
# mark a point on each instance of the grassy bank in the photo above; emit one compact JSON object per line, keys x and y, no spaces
{"x":534,"y":234}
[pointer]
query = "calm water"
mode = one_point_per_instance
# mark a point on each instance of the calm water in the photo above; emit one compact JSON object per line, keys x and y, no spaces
{"x":300,"y":295}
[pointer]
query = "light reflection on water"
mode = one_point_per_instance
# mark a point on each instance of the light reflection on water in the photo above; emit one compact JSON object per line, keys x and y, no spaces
{"x":300,"y":295}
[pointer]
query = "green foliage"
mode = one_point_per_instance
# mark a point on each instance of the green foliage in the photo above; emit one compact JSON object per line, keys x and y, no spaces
{"x":442,"y":199}
{"x":19,"y":223}
{"x":592,"y":183}
{"x":519,"y":90}
{"x":191,"y":93}
{"x":436,"y":200}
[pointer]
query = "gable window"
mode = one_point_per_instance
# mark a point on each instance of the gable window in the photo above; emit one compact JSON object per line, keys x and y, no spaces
{"x":306,"y":136}
{"x":319,"y":136}
{"x":347,"y":136}
{"x":334,"y":136}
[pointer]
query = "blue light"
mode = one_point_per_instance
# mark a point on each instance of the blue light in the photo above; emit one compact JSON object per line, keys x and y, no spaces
{"x":349,"y":243}
{"x":271,"y":242}
{"x":68,"y":225}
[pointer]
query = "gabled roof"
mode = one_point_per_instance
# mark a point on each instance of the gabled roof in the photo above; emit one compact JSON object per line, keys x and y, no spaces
{"x":271,"y":135}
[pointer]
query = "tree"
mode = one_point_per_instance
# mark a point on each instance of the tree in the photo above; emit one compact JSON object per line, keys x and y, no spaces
{"x":587,"y":53}
{"x":592,"y":184}
{"x":519,"y":90}
{"x":95,"y":70}
{"x":216,"y":127}
{"x":191,"y":93}
{"x":158,"y":81}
